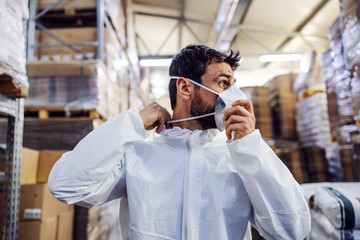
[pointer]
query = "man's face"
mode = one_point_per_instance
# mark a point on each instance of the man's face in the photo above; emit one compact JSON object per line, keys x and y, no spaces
{"x":218,"y":77}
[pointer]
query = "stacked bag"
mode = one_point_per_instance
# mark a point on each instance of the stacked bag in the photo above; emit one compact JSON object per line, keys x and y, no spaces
{"x":334,"y":209}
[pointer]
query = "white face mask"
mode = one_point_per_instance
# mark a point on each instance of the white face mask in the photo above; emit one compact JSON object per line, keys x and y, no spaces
{"x":224,"y":101}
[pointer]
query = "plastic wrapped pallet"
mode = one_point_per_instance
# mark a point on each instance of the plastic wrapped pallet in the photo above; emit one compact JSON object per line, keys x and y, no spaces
{"x":350,"y":26}
{"x":328,"y":76}
{"x":313,"y":124}
{"x":355,"y":94}
{"x":349,"y":165}
{"x":12,"y":57}
{"x":58,"y":134}
{"x":341,"y":78}
{"x":72,"y":84}
{"x":310,"y":74}
{"x":12,"y":35}
{"x":117,"y":15}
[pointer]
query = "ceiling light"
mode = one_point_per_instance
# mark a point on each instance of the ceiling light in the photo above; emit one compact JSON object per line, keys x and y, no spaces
{"x":280,"y":57}
{"x":156,"y":62}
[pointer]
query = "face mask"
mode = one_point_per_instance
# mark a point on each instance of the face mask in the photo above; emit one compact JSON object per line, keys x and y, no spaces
{"x":223,"y":102}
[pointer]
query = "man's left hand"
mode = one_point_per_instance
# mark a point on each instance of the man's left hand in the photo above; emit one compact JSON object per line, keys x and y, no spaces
{"x":239,"y":119}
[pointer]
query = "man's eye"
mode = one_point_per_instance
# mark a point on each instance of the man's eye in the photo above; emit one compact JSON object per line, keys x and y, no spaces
{"x":223,"y":84}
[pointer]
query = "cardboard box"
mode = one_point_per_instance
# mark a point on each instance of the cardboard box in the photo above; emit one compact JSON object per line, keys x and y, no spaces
{"x":29,"y":166}
{"x":65,"y":226}
{"x":47,"y":160}
{"x":77,"y":4}
{"x":63,"y":68}
{"x":38,"y":230}
{"x":53,"y":228}
{"x":37,"y":203}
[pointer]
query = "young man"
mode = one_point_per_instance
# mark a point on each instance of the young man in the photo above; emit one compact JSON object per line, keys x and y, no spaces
{"x":190,"y":182}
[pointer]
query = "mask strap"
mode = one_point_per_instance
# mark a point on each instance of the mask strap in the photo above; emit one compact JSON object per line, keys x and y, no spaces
{"x":191,"y":118}
{"x":197,"y":84}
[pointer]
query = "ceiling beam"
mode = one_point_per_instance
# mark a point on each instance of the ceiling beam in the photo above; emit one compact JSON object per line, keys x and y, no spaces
{"x":226,"y":8}
{"x":167,"y":37}
{"x":304,"y":23}
{"x":174,"y":17}
{"x":275,"y":31}
{"x":257,"y":40}
{"x":223,"y":34}
{"x":142,"y":41}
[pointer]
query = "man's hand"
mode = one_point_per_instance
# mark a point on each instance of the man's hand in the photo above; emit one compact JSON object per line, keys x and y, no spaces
{"x":154,"y":115}
{"x":239,"y":119}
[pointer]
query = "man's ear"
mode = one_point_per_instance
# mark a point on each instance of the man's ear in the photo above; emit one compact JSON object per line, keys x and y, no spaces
{"x":184,"y":88}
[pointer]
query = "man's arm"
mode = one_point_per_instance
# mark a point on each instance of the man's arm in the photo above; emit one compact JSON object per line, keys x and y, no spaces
{"x":94,"y":172}
{"x":279,"y":207}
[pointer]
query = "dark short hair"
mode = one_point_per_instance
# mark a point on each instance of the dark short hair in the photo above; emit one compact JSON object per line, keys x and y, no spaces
{"x":192,"y":61}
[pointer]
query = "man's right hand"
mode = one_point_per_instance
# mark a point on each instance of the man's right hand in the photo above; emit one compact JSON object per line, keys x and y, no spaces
{"x":154,"y":115}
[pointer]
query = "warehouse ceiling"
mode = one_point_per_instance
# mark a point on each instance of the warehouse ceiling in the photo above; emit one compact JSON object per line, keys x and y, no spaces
{"x":254,"y":27}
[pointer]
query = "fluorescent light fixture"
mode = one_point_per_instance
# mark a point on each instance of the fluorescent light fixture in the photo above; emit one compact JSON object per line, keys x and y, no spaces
{"x":280,"y":57}
{"x":155,"y":62}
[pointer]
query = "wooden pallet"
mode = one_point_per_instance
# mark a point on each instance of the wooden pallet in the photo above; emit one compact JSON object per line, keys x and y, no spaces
{"x":8,"y":88}
{"x":56,"y":113}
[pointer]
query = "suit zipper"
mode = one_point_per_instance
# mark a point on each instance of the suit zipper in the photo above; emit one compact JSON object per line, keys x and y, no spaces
{"x":186,"y":188}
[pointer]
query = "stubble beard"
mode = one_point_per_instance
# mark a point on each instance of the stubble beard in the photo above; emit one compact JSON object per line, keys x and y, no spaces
{"x":198,"y":107}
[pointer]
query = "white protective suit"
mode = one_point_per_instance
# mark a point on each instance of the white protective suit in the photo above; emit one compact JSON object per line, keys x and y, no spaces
{"x":184,"y":184}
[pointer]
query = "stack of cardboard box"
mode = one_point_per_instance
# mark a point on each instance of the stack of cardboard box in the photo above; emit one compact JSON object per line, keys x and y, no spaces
{"x":282,"y":105}
{"x":317,"y":165}
{"x":42,"y":217}
{"x":292,"y":158}
{"x":302,"y":152}
{"x":259,"y":97}
{"x":307,"y":164}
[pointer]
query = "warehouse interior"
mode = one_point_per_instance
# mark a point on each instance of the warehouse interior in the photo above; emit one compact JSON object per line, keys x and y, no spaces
{"x":68,"y":66}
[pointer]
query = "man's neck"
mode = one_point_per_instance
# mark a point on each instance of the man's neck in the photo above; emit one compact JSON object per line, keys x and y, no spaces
{"x":191,"y":124}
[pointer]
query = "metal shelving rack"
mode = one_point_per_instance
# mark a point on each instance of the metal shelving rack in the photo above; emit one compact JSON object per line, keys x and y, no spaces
{"x":13,"y":109}
{"x":34,"y":23}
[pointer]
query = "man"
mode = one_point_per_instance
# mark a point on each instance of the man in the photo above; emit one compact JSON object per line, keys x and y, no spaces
{"x":190,"y":182}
